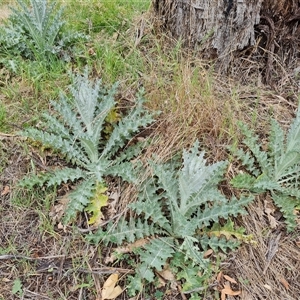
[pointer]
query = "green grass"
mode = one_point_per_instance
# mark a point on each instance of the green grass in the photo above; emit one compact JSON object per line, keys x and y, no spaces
{"x":3,"y":117}
{"x":110,"y":50}
{"x":93,"y":16}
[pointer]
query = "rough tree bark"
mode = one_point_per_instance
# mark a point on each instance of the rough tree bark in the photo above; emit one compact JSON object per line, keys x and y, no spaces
{"x":222,"y":28}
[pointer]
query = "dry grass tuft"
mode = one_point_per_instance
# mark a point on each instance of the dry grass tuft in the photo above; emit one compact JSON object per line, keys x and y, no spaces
{"x":4,"y":13}
{"x":192,"y":105}
{"x":269,"y":270}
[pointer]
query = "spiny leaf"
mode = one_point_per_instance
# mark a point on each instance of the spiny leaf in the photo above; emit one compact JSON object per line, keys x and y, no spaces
{"x":135,"y":284}
{"x":183,"y":227}
{"x":137,"y":118}
{"x":276,"y":143}
{"x":34,"y":180}
{"x":217,"y":243}
{"x":288,"y":206}
{"x":17,"y":287}
{"x":288,"y":160}
{"x":167,"y":181}
{"x":293,"y":135}
{"x":130,"y":231}
{"x":63,"y":175}
{"x":67,"y":146}
{"x":222,"y":210}
{"x":196,"y":176}
{"x":151,"y":212}
{"x":86,"y":103}
{"x":172,"y":206}
{"x":243,"y":181}
{"x":67,"y":114}
{"x":229,"y":231}
{"x":125,"y":170}
{"x":247,"y":161}
{"x":190,"y":248}
{"x":251,"y":140}
{"x":145,"y":272}
{"x":79,"y":198}
{"x":192,"y":278}
{"x":155,"y":256}
{"x":42,"y":26}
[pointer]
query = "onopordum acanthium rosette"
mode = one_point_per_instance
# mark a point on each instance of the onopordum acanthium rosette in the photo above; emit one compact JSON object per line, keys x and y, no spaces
{"x":275,"y":170}
{"x":175,"y":210}
{"x":75,"y":127}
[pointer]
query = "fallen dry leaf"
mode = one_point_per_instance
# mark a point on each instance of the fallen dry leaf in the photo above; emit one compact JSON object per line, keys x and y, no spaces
{"x":223,"y":296}
{"x":229,"y":279}
{"x":60,"y":226}
{"x":5,"y":191}
{"x":117,"y":291}
{"x":167,"y":274}
{"x":273,"y":222}
{"x":268,"y":287}
{"x":269,"y":210}
{"x":284,"y":283}
{"x":230,"y":292}
{"x":219,"y":277}
{"x":92,"y":52}
{"x":208,"y":253}
{"x":57,"y":211}
{"x":110,"y":290}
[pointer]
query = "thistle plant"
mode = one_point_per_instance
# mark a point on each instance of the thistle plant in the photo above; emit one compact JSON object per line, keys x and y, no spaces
{"x":275,"y":170}
{"x":76,"y":129}
{"x":178,"y":212}
{"x":35,"y":31}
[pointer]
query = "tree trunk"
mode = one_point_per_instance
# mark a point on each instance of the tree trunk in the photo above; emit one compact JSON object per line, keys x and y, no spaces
{"x":222,"y":28}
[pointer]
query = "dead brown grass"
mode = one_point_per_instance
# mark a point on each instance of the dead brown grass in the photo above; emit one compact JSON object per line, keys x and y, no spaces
{"x":269,"y":270}
{"x":4,"y":13}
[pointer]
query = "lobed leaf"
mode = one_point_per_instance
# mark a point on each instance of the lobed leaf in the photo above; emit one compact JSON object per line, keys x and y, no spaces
{"x":287,"y":206}
{"x":124,"y":230}
{"x":155,"y":255}
{"x":79,"y":199}
{"x":216,"y":243}
{"x":251,"y":141}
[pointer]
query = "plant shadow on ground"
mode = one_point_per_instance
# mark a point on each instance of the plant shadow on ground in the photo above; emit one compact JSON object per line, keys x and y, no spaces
{"x":195,"y":103}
